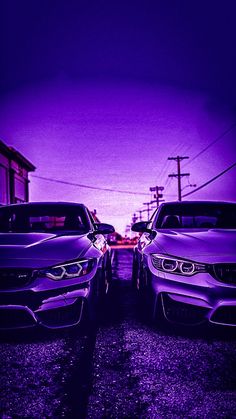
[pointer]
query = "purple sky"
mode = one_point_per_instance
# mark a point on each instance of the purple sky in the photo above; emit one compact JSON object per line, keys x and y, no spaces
{"x":101,"y":93}
{"x":118,"y":136}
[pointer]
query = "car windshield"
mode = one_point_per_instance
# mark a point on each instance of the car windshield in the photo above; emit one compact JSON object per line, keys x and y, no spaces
{"x":196,"y":215}
{"x":43,"y":218}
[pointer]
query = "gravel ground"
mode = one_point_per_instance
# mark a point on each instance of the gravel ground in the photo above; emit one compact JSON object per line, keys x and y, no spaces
{"x":131,"y":370}
{"x":34,"y":374}
{"x":140,"y":371}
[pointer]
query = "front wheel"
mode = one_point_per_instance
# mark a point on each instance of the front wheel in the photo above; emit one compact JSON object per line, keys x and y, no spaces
{"x":158,"y":312}
{"x":150,"y":304}
{"x":104,"y":279}
{"x":89,"y":321}
{"x":134,"y":273}
{"x":143,"y":294}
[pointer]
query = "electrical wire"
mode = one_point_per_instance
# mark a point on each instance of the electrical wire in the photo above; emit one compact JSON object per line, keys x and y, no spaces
{"x":210,"y":181}
{"x":211,"y":144}
{"x":79,"y":185}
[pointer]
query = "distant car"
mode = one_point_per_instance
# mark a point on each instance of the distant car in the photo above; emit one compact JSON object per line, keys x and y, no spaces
{"x":184,"y":264}
{"x":55,"y":264}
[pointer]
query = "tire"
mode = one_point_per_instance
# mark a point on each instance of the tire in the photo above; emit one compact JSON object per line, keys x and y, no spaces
{"x":158,"y":317}
{"x":134,"y":273}
{"x":143,"y":295}
{"x":89,"y":322}
{"x":108,"y":272}
{"x":95,"y":307}
{"x":99,"y":300}
{"x":143,"y":282}
{"x":101,"y":285}
{"x":150,"y":303}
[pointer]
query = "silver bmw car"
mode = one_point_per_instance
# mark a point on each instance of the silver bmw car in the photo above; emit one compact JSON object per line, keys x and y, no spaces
{"x":55,"y":265}
{"x":184,"y":264}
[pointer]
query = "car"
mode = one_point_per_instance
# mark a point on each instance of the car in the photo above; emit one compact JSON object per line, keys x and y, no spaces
{"x":184,"y":265}
{"x":55,"y":265}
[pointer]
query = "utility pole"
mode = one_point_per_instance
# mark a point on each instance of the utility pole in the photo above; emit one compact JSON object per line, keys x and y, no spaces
{"x":127,"y":229}
{"x":179,"y":175}
{"x":148,"y":209}
{"x":134,"y":218}
{"x":140,"y":215}
{"x":157,"y":195}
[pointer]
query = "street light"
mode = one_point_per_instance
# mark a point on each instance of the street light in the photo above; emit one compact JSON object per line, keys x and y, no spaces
{"x":189,"y":186}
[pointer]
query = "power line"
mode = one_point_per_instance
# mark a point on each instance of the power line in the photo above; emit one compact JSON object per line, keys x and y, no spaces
{"x":168,"y":180}
{"x":212,"y":143}
{"x":79,"y":185}
{"x":211,"y":180}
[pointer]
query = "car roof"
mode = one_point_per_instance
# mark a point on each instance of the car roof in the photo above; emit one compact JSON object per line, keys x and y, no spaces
{"x":45,"y":203}
{"x":197,"y":202}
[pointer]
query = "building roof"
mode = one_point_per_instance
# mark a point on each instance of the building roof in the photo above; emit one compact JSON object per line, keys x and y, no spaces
{"x":15,"y":155}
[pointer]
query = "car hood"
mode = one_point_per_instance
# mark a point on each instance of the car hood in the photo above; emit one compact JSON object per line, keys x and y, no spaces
{"x":206,"y":246}
{"x":37,"y":250}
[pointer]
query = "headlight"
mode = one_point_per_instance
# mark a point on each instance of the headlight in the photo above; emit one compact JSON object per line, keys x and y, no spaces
{"x":69,"y":270}
{"x":166,"y":263}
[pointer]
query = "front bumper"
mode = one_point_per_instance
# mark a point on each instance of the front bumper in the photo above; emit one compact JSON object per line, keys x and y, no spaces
{"x":193,"y":300}
{"x":53,"y":309}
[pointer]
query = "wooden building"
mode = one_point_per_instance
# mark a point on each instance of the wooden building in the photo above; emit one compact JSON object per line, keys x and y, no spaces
{"x":14,"y":170}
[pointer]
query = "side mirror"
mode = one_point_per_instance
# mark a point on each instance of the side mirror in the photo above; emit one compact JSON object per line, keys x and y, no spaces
{"x":141,"y":227}
{"x":102,"y":228}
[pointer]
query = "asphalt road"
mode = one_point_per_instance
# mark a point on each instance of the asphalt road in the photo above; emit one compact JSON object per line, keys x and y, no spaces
{"x":127,"y":369}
